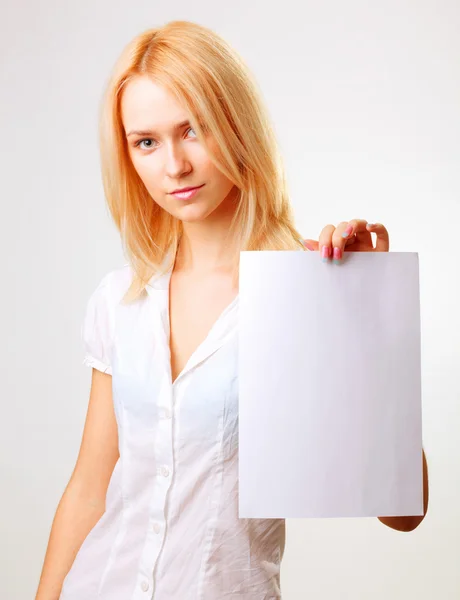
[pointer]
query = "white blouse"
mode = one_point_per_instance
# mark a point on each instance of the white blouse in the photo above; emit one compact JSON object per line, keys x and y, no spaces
{"x":171,"y":529}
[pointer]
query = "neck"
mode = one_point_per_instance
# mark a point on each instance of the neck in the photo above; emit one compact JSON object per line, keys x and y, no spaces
{"x":204,"y":246}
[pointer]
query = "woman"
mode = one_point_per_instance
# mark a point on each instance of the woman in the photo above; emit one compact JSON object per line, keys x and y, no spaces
{"x":151,"y":510}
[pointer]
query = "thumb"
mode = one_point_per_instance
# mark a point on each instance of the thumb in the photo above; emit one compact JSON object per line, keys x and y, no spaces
{"x":311,"y":244}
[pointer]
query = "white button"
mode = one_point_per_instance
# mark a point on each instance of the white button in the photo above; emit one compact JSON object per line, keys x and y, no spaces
{"x":145,"y":586}
{"x":156,"y":528}
{"x":167,"y":413}
{"x":163,"y":471}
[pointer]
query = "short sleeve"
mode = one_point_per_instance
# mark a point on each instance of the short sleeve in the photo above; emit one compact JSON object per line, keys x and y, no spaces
{"x":96,"y":329}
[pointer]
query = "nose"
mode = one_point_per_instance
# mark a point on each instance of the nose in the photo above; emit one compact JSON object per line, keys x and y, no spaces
{"x":177,"y":163}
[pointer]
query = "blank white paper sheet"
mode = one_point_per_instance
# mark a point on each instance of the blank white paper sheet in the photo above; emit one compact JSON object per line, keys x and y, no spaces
{"x":330,"y":414}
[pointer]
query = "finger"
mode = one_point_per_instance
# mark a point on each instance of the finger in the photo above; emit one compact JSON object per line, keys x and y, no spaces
{"x":383,"y":237}
{"x":311,"y":244}
{"x":343,"y":232}
{"x":352,"y":231}
{"x":362,"y":233}
{"x":351,"y":240}
{"x":325,"y":241}
{"x":357,"y":228}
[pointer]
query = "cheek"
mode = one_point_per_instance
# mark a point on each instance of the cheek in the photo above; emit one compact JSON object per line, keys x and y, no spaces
{"x":148,"y":173}
{"x":212,"y":174}
{"x":222,"y":182}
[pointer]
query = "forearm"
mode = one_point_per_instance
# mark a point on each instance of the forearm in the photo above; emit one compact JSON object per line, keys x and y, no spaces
{"x":409,"y":523}
{"x":75,"y":516}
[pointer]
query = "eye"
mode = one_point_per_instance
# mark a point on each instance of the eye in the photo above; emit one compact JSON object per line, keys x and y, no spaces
{"x":139,"y":142}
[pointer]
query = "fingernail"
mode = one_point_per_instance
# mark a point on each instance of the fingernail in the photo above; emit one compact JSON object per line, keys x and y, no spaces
{"x":337,"y":256}
{"x":370,"y":225}
{"x":325,"y":253}
{"x":347,"y":231}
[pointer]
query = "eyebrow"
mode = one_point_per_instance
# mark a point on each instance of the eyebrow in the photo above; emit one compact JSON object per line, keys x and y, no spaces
{"x":152,"y":132}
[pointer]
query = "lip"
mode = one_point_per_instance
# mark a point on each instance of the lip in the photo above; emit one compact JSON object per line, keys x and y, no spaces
{"x":186,"y":193}
{"x":186,"y":189}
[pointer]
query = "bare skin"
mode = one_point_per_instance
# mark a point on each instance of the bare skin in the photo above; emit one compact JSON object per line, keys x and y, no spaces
{"x":195,"y":305}
{"x":168,"y":158}
{"x":201,"y":285}
{"x":83,"y":501}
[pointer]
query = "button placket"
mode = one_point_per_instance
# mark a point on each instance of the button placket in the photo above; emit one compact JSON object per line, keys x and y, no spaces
{"x":163,"y":455}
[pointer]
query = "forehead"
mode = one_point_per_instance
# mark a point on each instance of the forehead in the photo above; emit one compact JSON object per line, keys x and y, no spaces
{"x":145,"y":104}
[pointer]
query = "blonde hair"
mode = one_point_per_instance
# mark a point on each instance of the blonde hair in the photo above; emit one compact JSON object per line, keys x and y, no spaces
{"x":211,"y":81}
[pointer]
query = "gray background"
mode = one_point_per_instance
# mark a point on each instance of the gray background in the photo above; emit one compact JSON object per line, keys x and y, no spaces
{"x":365,"y":98}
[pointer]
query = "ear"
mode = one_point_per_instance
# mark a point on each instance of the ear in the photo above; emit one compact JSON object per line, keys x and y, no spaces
{"x":311,"y":244}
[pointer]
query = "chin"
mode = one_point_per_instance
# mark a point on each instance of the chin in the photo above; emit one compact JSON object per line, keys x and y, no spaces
{"x":194,"y":212}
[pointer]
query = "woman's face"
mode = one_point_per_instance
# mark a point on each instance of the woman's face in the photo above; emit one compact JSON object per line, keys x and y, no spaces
{"x":167,"y":155}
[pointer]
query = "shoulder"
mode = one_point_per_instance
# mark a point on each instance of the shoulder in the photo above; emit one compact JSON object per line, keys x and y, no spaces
{"x":116,"y":282}
{"x":109,"y":291}
{"x":98,"y":324}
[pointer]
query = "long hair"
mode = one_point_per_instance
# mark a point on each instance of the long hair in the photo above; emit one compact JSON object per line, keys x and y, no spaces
{"x":211,"y":81}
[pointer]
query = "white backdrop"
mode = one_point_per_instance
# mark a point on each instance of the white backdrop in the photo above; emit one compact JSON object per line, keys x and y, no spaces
{"x":365,"y":97}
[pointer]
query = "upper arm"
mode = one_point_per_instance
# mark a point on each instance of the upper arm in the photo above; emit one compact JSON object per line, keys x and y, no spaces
{"x":99,"y":446}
